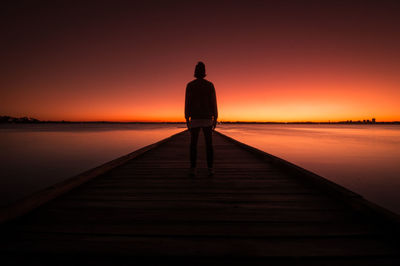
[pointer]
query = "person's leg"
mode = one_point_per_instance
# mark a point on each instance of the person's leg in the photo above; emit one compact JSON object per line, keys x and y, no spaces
{"x":209,"y":147}
{"x":194,"y":133}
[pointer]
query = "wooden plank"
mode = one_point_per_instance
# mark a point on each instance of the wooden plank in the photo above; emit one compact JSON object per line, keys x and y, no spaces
{"x":198,"y":204}
{"x":197,"y":186}
{"x":66,"y":244}
{"x":268,"y":197}
{"x":93,"y":214}
{"x":126,"y":259}
{"x":196,"y":228}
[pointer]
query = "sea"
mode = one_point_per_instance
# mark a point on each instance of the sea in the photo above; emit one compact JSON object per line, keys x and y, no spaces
{"x":364,"y":158}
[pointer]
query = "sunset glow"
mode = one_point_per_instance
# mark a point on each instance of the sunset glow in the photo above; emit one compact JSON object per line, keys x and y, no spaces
{"x":269,"y":61}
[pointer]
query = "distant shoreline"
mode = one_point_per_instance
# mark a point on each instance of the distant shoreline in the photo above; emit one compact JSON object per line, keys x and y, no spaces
{"x":30,"y":120}
{"x":221,"y":122}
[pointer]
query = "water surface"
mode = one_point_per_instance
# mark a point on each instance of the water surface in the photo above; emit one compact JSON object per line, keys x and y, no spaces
{"x":35,"y":156}
{"x":363,"y":158}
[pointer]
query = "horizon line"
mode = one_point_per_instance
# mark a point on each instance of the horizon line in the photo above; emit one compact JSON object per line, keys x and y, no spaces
{"x":220,"y":122}
{"x":11,"y":119}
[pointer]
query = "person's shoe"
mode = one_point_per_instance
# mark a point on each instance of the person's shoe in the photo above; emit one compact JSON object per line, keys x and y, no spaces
{"x":192,"y":171}
{"x":210,"y":171}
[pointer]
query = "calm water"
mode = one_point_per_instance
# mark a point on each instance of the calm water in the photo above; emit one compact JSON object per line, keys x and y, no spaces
{"x":363,"y":158}
{"x":33,"y":157}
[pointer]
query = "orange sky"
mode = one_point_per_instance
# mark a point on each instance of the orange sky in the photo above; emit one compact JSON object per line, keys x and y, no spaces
{"x":268,"y":60}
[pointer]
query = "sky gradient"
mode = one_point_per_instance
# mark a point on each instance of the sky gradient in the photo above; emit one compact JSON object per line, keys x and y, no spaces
{"x":269,"y":60}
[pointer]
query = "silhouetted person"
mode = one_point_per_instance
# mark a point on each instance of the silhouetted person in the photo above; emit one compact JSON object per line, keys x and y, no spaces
{"x":201,"y":113}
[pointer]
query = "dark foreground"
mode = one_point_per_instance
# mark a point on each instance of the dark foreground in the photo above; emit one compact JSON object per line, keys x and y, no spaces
{"x":253,"y":211}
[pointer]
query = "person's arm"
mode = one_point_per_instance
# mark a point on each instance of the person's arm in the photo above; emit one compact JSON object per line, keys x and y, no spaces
{"x":187,"y":105}
{"x":215,"y":108}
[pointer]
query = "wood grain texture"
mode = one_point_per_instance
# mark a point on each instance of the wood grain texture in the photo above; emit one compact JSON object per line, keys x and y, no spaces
{"x":148,"y":210}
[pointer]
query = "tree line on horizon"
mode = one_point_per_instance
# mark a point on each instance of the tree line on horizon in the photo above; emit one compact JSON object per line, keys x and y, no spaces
{"x":10,"y":119}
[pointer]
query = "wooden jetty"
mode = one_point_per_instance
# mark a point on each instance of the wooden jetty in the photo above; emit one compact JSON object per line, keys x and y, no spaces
{"x":143,"y":208}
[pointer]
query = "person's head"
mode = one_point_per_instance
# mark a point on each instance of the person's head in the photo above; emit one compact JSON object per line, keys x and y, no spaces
{"x":200,"y":70}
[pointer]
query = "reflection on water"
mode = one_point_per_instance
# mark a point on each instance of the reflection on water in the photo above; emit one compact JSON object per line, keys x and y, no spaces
{"x":35,"y":156}
{"x":363,"y":158}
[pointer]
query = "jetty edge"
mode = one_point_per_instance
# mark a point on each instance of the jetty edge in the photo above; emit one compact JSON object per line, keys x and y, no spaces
{"x":377,"y":213}
{"x":37,"y":199}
